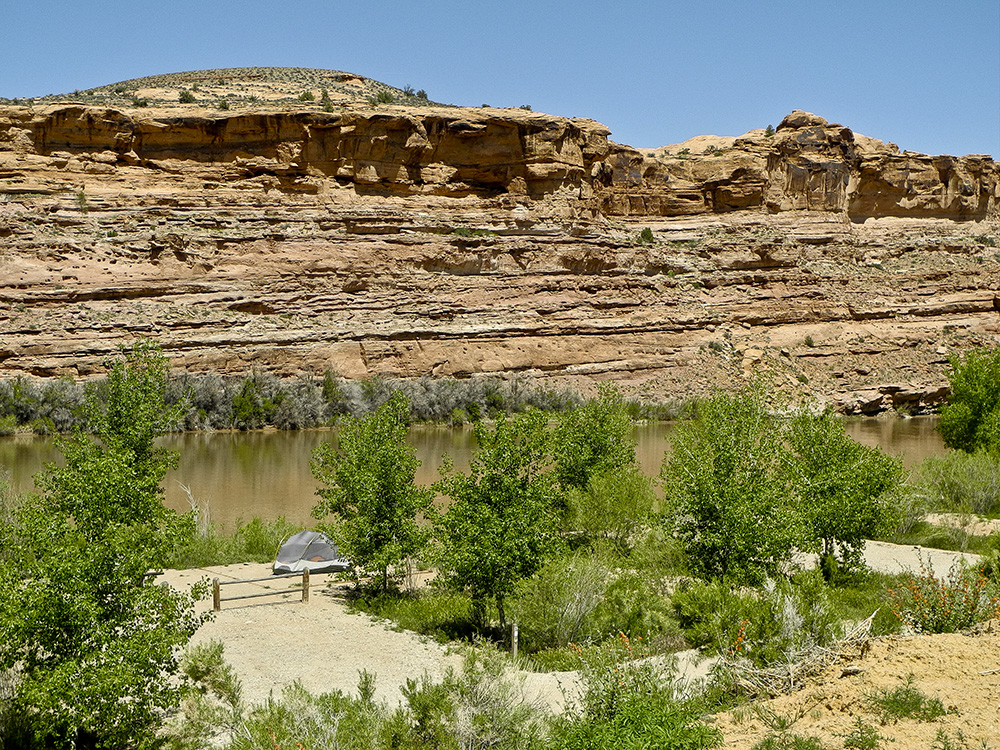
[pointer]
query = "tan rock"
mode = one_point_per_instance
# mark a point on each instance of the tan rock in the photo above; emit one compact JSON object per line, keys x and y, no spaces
{"x":416,"y":240}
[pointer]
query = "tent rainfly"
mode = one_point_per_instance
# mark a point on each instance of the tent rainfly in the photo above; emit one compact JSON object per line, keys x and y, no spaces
{"x":309,"y":550}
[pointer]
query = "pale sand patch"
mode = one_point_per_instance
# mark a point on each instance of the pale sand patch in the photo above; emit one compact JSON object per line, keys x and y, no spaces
{"x":968,"y":523}
{"x":273,"y":641}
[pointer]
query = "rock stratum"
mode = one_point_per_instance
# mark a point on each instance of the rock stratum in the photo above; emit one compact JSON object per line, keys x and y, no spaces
{"x":413,"y":239}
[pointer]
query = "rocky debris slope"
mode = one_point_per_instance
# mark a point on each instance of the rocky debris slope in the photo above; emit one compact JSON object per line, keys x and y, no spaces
{"x":428,"y":240}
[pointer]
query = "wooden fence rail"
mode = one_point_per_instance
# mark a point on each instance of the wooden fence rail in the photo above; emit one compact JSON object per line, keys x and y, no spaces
{"x":217,"y":585}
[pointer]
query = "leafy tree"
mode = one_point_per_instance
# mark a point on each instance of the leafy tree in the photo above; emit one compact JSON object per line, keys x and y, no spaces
{"x":845,"y":488}
{"x":88,"y":635}
{"x":971,"y":418}
{"x":371,"y":488}
{"x":614,"y":506}
{"x":592,"y":439}
{"x":726,"y":490}
{"x":499,"y":528}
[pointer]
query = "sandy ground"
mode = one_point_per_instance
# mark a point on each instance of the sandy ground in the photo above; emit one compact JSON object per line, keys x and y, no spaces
{"x":273,"y":641}
{"x":959,"y":670}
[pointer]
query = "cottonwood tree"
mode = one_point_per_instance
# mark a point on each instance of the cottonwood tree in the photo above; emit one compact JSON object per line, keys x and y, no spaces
{"x":371,"y":489}
{"x":727,"y":491}
{"x":846,"y":490}
{"x":500,"y":526}
{"x":615,"y":504}
{"x":596,"y":438}
{"x":970,"y":420}
{"x":90,"y":639}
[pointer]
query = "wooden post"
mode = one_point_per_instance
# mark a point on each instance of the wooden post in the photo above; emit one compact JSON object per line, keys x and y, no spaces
{"x":513,"y":640}
{"x":216,"y":599}
{"x":305,"y":585}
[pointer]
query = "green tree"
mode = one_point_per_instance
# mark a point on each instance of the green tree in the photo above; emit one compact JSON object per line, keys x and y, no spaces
{"x":845,"y":489}
{"x":371,"y":488}
{"x":88,"y":635}
{"x":726,"y":489}
{"x":971,"y":418}
{"x":593,"y":439}
{"x":499,"y":528}
{"x":615,"y":505}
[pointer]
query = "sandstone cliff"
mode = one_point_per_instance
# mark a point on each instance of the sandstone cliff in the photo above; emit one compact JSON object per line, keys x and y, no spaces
{"x":415,"y":240}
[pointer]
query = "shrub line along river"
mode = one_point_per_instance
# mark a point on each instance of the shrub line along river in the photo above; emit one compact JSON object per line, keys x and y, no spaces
{"x":239,"y":475}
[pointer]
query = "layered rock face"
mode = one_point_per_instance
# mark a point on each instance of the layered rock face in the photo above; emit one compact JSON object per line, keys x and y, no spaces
{"x":406,"y":241}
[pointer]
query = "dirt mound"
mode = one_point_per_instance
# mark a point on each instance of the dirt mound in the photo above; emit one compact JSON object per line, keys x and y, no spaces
{"x":960,"y":670}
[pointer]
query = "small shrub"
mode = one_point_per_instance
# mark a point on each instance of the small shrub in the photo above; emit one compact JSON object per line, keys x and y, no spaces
{"x":769,"y":130}
{"x":204,"y":666}
{"x":185,"y":97}
{"x":809,"y":341}
{"x":904,"y":701}
{"x":944,"y":741}
{"x":254,"y":541}
{"x":932,"y":605}
{"x":628,"y":702}
{"x":421,"y":94}
{"x":765,"y":626}
{"x":382,"y":97}
{"x":307,"y":96}
{"x":863,"y":737}
{"x":646,"y":236}
{"x":717,"y":346}
{"x":615,"y":506}
{"x":788,"y":741}
{"x":223,"y":105}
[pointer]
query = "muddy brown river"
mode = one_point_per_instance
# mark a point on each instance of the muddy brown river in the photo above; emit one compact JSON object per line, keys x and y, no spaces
{"x":266,"y":473}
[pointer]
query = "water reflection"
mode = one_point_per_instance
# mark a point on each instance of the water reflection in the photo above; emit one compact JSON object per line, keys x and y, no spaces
{"x":242,"y":475}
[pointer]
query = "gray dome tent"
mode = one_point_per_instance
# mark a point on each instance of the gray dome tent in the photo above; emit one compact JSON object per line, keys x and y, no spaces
{"x":309,"y":550}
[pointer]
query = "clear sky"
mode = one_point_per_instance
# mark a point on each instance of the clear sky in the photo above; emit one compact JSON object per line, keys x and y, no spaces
{"x":925,"y":75}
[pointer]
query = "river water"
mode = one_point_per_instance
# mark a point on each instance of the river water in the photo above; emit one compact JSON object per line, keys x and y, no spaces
{"x":245,"y":474}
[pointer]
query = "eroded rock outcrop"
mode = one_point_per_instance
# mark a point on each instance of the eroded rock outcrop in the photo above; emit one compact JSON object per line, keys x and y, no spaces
{"x":807,"y":164}
{"x":440,"y":241}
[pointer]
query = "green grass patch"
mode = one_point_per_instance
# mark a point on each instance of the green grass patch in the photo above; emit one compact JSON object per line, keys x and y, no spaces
{"x":904,"y":701}
{"x":854,"y":596}
{"x":923,"y":534}
{"x":443,"y":615}
{"x":252,"y":541}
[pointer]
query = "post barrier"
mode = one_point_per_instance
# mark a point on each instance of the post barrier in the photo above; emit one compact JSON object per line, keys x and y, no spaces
{"x":217,"y":585}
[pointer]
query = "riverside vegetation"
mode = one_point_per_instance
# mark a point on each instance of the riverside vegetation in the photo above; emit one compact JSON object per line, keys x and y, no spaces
{"x":256,"y":400}
{"x":552,"y":527}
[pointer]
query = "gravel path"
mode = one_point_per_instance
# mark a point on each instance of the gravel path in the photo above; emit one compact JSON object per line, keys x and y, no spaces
{"x":273,"y":641}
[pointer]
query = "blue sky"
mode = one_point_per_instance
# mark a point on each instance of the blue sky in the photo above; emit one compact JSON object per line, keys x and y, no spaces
{"x":925,"y":75}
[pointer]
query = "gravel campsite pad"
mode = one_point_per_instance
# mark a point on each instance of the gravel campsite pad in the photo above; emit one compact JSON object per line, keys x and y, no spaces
{"x":273,"y":641}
